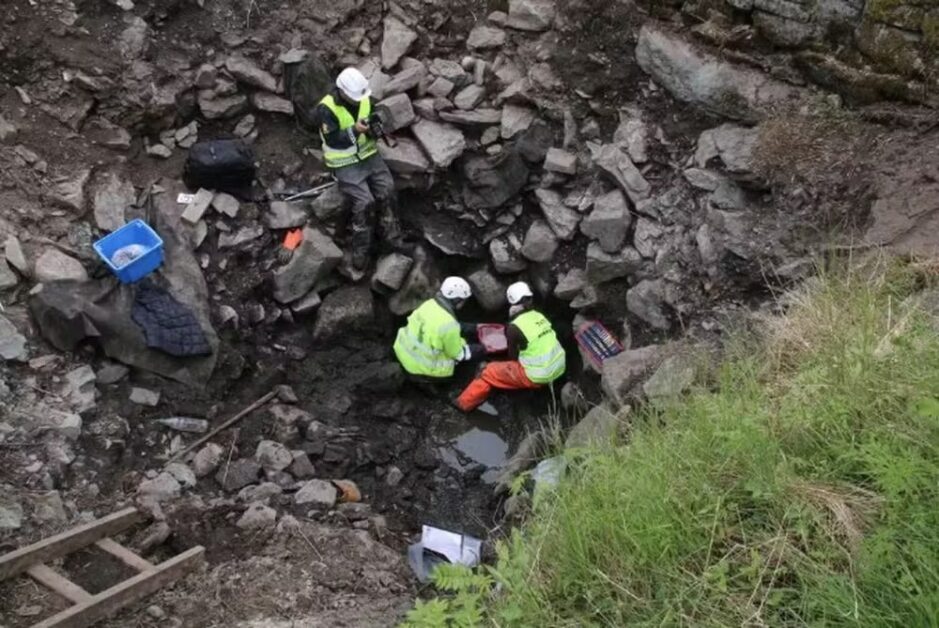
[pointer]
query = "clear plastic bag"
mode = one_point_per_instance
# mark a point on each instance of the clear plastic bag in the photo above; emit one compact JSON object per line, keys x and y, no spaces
{"x":126,"y":254}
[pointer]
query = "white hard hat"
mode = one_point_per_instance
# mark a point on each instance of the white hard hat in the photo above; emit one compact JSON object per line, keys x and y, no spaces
{"x":353,"y":84}
{"x":518,"y":291}
{"x":456,"y":288}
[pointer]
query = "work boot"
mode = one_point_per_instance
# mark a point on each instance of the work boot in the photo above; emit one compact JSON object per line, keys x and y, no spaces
{"x":361,"y":245}
{"x":361,"y":238}
{"x":390,"y":226}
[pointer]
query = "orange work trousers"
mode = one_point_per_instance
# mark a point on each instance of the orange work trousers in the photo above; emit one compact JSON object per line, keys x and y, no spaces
{"x":501,"y":375}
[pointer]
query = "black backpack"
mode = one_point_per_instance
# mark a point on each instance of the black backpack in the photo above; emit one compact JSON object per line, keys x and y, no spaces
{"x":220,"y":165}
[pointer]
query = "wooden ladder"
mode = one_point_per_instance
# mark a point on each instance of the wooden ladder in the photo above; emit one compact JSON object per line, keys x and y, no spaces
{"x":89,"y":608}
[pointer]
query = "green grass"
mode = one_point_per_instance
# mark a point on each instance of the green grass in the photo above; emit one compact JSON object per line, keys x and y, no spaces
{"x":798,"y":486}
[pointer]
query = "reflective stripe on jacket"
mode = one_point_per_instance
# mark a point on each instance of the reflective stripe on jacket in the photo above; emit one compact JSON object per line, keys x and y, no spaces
{"x":430,"y":343}
{"x":543,"y":359}
{"x":361,"y":149}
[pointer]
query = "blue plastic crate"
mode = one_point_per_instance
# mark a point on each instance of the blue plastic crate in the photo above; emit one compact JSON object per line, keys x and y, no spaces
{"x":134,"y":232}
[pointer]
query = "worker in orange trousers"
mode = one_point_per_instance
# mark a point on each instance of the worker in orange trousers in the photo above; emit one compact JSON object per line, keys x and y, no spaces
{"x":536,"y":356}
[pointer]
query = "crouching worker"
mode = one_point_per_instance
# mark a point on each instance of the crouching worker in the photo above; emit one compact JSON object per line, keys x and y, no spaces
{"x":350,"y":151}
{"x":536,"y":356}
{"x":432,"y":343}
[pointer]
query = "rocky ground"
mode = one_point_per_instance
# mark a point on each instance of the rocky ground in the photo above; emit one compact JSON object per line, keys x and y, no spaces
{"x":660,"y":167}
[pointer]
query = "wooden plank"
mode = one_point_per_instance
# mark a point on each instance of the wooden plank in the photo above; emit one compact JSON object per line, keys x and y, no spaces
{"x":123,"y":554}
{"x":120,"y":595}
{"x":17,"y":561}
{"x":58,"y":583}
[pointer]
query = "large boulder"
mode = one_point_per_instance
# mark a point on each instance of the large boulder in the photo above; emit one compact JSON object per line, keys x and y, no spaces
{"x":701,"y":78}
{"x":405,"y":157}
{"x":516,"y":119}
{"x":603,"y":266}
{"x":111,"y":195}
{"x":616,"y":162}
{"x":421,"y":283}
{"x":397,"y":112}
{"x":53,"y":265}
{"x":347,"y":310}
{"x":68,"y":313}
{"x":646,"y":300}
{"x":598,"y":427}
{"x":396,"y":42}
{"x":315,"y":258}
{"x":540,"y":242}
{"x":563,"y":220}
{"x":488,"y":290}
{"x":734,"y":145}
{"x":247,"y":72}
{"x":608,"y":222}
{"x":506,"y":255}
{"x":70,"y":191}
{"x":623,"y":373}
{"x":444,"y":143}
{"x":490,"y":182}
{"x":391,"y":272}
{"x":531,"y":15}
{"x":484,"y":37}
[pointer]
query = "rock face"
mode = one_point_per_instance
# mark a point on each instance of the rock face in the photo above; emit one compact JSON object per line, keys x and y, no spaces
{"x":315,"y":258}
{"x":56,"y":266}
{"x":905,"y":214}
{"x":698,"y":77}
{"x":442,"y":142}
{"x":347,"y":309}
{"x":531,"y":15}
{"x":608,"y":222}
{"x":396,"y":41}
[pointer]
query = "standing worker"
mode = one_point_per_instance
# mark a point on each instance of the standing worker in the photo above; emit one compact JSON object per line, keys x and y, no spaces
{"x":536,"y":358}
{"x":350,"y":151}
{"x":431,"y":343}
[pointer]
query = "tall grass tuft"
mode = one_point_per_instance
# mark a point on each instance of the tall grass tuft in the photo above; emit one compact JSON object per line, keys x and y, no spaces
{"x":800,"y":487}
